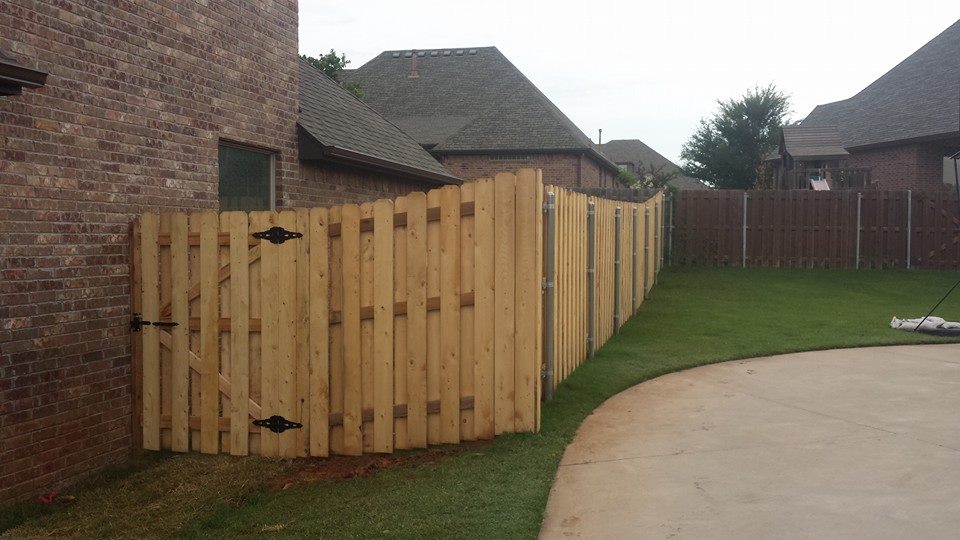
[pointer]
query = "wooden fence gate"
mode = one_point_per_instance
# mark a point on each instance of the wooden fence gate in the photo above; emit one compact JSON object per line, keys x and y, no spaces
{"x":358,"y":328}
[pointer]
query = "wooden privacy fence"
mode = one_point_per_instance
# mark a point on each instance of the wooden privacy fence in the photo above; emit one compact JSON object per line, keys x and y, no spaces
{"x":364,"y":328}
{"x":822,"y":229}
{"x":617,"y":242}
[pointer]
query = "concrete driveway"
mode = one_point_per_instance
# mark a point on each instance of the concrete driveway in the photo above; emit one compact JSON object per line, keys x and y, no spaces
{"x":857,"y":443}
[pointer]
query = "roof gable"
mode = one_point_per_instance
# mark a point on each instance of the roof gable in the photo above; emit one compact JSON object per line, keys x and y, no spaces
{"x":337,"y":120}
{"x":918,"y":98}
{"x":466,"y":99}
{"x":634,"y":151}
{"x":809,"y":142}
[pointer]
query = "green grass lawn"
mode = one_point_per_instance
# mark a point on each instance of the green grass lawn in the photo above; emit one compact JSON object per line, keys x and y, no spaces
{"x":693,"y":317}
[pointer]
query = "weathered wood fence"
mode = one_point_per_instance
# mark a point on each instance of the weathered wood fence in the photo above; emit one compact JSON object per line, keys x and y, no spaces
{"x":375,"y":327}
{"x":832,"y":229}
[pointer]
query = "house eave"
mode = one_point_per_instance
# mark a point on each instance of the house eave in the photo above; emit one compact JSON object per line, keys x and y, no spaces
{"x":313,"y":150}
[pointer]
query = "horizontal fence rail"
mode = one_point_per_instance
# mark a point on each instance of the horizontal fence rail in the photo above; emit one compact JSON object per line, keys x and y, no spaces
{"x":373,"y":327}
{"x":817,"y":229}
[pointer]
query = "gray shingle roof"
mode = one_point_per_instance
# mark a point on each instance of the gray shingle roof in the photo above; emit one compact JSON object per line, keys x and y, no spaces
{"x":338,"y":120}
{"x":634,"y":151}
{"x":806,"y":141}
{"x":918,"y":98}
{"x":471,"y":99}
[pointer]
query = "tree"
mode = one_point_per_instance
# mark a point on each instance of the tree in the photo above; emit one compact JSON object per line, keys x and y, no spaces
{"x":727,"y":150}
{"x":332,"y":64}
{"x":652,"y":176}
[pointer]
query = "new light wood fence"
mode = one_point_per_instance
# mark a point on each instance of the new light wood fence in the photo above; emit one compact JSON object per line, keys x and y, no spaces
{"x":617,"y":293}
{"x":382,"y":326}
{"x":832,"y":229}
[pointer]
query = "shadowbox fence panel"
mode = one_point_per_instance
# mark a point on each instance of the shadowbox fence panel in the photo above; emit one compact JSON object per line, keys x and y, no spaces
{"x":817,"y":229}
{"x":394,"y":324}
{"x":373,"y":327}
{"x":617,"y":293}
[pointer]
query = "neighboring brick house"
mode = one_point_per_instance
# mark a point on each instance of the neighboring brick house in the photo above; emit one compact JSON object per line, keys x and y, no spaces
{"x":638,"y":158}
{"x":110,"y":110}
{"x":479,"y":115}
{"x":894,"y":134}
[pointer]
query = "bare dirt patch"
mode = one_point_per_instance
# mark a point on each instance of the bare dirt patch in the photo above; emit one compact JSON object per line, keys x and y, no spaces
{"x":312,"y":470}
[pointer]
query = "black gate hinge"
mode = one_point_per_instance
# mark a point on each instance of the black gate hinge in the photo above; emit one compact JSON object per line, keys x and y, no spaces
{"x":277,"y":424}
{"x":137,"y":323}
{"x":277,"y":235}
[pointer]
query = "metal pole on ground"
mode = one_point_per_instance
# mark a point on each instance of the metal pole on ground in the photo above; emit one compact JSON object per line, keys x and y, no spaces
{"x":591,"y":278}
{"x":859,"y":204}
{"x":743,"y":233}
{"x":617,"y":226}
{"x":909,"y":223}
{"x":550,"y":238}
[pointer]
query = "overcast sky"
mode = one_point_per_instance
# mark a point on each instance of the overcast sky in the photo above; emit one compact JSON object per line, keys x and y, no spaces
{"x":648,"y":70}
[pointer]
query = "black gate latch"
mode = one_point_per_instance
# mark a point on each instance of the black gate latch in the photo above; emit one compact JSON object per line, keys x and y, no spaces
{"x":137,"y":323}
{"x":277,"y":424}
{"x":277,"y":235}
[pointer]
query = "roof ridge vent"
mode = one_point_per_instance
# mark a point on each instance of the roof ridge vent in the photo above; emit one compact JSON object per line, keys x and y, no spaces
{"x":396,"y":55}
{"x":446,"y":53}
{"x":459,"y":52}
{"x":472,"y":51}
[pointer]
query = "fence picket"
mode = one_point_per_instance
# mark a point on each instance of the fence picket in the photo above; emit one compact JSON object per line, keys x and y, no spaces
{"x":450,"y":314}
{"x":352,"y":404}
{"x":150,"y":266}
{"x":209,"y":333}
{"x":484,"y":309}
{"x":319,"y":313}
{"x":504,"y":299}
{"x":239,"y":334}
{"x":416,"y":358}
{"x":383,"y":326}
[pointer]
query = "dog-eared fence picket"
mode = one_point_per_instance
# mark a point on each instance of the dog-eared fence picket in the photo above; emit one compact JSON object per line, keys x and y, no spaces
{"x":378,"y":326}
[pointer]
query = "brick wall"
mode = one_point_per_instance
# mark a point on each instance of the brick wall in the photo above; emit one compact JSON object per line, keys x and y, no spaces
{"x":138,"y":95}
{"x":558,"y":169}
{"x":912,"y":166}
{"x":328,"y":183}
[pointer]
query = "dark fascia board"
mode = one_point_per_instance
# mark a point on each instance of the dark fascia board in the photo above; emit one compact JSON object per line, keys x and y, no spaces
{"x":14,"y":76}
{"x":600,"y":158}
{"x":313,"y":150}
{"x":926,"y":138}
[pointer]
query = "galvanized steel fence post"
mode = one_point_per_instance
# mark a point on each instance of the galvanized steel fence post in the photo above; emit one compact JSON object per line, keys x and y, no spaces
{"x":743,"y":235}
{"x":670,"y":234}
{"x":633,"y":263}
{"x":909,"y":223}
{"x":591,"y":278}
{"x":617,"y":226}
{"x":549,"y":268}
{"x":656,"y":240}
{"x":859,"y":203}
{"x":646,"y":248}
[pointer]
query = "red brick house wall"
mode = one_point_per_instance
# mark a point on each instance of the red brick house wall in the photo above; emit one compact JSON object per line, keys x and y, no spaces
{"x":911,"y":166}
{"x":137,"y":97}
{"x":331,"y":183}
{"x":558,"y":169}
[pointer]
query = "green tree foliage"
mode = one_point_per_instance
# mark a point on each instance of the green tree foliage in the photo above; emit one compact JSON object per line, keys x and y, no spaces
{"x":332,"y":64}
{"x":728,"y":150}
